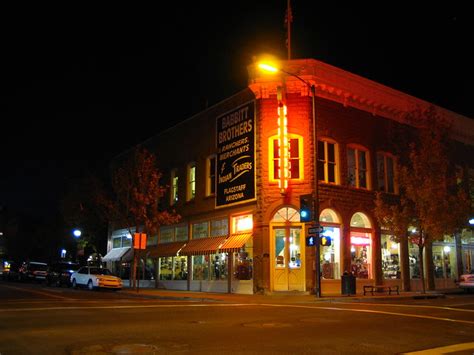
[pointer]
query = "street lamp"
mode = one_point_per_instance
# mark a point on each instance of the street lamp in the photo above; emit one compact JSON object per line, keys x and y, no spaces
{"x":272,"y":69}
{"x":77,"y":233}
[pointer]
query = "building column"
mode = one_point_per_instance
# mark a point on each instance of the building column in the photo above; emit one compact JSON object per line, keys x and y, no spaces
{"x":346,"y":249}
{"x":377,"y":257}
{"x":404,"y":264}
{"x":459,"y":264}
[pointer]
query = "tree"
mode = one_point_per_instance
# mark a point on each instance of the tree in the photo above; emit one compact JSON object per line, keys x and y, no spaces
{"x":428,"y":190}
{"x":136,"y":195}
{"x":80,"y":209}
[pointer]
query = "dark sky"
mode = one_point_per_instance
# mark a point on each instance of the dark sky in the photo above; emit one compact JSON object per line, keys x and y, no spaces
{"x":81,"y":84}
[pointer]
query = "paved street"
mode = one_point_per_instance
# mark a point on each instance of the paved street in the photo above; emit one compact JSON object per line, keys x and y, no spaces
{"x":36,"y":319}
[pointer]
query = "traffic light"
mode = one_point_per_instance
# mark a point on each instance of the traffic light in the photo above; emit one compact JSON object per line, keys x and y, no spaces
{"x":306,"y":208}
{"x":325,"y":241}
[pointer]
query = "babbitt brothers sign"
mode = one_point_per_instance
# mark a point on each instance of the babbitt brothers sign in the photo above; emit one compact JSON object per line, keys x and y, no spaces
{"x":236,"y":156}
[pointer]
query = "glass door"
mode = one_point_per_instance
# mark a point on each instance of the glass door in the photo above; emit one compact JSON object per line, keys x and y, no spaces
{"x":288,"y":256}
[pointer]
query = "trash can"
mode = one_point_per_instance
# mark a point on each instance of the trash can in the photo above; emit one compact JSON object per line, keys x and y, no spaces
{"x":348,"y":284}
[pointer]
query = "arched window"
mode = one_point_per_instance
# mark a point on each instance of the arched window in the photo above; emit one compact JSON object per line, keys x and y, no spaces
{"x":330,"y":256}
{"x":361,"y":246}
{"x":286,"y":214}
{"x":328,"y":216}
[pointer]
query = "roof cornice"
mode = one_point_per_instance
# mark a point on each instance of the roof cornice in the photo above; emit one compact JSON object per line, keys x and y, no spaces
{"x":353,"y":90}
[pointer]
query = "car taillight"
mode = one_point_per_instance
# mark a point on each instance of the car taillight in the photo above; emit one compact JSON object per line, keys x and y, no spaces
{"x":65,"y":274}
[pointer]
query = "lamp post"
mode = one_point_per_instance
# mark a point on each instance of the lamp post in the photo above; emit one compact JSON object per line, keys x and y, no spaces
{"x":272,"y":69}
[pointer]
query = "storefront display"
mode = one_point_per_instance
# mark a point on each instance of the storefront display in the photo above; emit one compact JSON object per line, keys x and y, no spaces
{"x":361,"y":254}
{"x":390,"y":257}
{"x":330,"y":255}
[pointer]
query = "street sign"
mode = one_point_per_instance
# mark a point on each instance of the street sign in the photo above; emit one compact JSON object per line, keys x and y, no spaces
{"x":315,"y":230}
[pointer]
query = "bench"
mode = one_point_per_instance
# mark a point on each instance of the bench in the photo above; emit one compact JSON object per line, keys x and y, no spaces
{"x":381,"y":288}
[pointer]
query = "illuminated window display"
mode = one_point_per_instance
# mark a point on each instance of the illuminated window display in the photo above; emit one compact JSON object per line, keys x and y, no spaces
{"x":210,"y":267}
{"x":361,"y":253}
{"x":444,"y":260}
{"x":413,"y":253}
{"x":243,"y":264}
{"x":390,"y":257}
{"x":361,"y":246}
{"x":173,"y":268}
{"x":331,"y":255}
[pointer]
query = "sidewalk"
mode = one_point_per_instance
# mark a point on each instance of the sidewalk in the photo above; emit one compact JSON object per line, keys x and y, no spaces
{"x":277,"y":297}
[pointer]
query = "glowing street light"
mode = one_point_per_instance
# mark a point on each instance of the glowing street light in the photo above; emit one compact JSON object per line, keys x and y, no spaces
{"x":77,"y":233}
{"x":268,"y":67}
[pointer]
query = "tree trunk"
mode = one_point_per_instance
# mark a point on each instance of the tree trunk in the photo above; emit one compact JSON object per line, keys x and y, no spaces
{"x":404,"y":264}
{"x":429,"y":266}
{"x":421,"y":266}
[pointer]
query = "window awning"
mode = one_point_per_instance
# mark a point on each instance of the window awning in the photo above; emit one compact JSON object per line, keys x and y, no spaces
{"x":235,"y":242}
{"x":116,"y":254}
{"x":166,"y":249}
{"x":202,"y":246}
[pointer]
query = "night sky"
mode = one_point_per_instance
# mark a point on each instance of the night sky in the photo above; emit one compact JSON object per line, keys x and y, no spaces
{"x":80,"y":85}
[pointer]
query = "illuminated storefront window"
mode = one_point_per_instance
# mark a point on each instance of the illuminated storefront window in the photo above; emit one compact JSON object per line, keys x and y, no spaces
{"x":243,"y":223}
{"x":330,"y":257}
{"x":210,"y":267}
{"x":444,"y":259}
{"x":243,"y":262}
{"x":173,"y":268}
{"x":413,"y":255}
{"x":361,"y":246}
{"x":390,"y":257}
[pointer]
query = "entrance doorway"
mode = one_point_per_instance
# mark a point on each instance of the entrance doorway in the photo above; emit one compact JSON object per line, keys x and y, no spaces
{"x":288,"y":274}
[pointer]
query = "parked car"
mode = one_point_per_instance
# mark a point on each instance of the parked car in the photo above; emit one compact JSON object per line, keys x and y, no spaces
{"x":33,"y":270}
{"x":11,"y":270}
{"x":466,"y":281}
{"x":59,"y":273}
{"x":95,"y":277}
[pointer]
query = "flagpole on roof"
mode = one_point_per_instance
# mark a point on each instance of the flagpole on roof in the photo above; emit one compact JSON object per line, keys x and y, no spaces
{"x":288,"y":20}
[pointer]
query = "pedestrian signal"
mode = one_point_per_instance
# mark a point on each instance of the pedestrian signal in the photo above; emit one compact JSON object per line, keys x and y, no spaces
{"x":325,"y":241}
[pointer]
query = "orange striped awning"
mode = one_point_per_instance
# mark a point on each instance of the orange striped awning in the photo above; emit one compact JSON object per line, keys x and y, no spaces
{"x":202,"y":246}
{"x":164,"y":250}
{"x":235,"y":242}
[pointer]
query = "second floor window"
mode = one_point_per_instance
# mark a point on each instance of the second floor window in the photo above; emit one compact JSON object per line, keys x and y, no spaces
{"x":174,"y":187}
{"x":295,"y":156}
{"x":357,"y":168}
{"x":211,"y":176}
{"x":327,"y":162}
{"x":191,"y":193}
{"x":386,"y":172}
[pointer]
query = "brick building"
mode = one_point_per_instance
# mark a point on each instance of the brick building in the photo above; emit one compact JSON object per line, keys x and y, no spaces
{"x":236,"y":172}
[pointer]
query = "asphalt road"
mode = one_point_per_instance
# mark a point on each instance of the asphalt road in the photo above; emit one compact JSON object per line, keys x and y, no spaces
{"x":35,"y":319}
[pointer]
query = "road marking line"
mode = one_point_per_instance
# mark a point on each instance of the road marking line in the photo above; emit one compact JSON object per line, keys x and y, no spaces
{"x":380,"y":312}
{"x":410,"y":306}
{"x":444,"y":349}
{"x":37,"y":292}
{"x":240,"y":305}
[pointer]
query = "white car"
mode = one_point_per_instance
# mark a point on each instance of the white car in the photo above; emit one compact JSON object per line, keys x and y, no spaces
{"x":95,"y":277}
{"x":466,"y":281}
